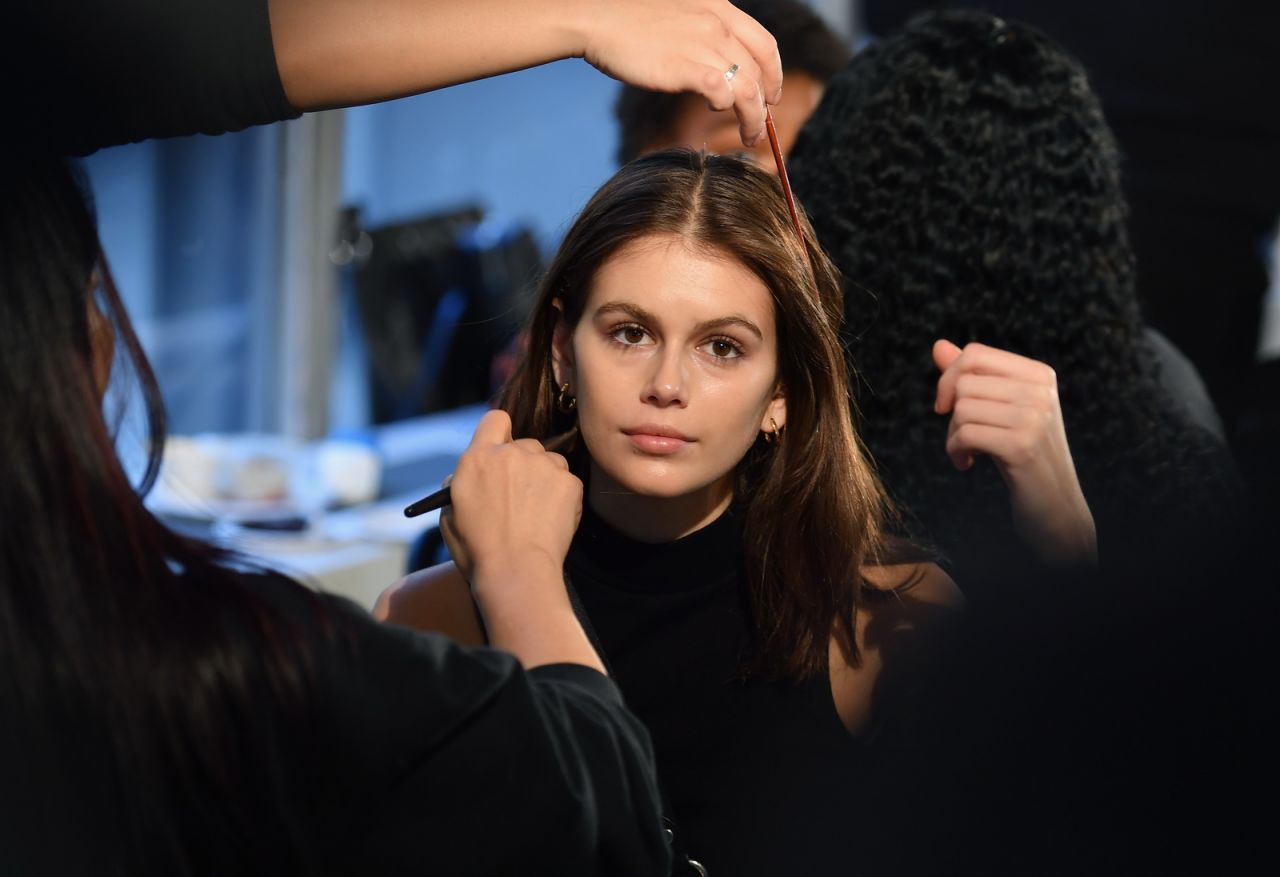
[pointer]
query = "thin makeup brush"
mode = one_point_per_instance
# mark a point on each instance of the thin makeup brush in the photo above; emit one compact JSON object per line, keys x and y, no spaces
{"x":782,"y":178}
{"x":444,"y":497}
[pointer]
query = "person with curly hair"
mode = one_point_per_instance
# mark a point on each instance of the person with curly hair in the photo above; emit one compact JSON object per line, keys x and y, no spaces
{"x":962,"y":177}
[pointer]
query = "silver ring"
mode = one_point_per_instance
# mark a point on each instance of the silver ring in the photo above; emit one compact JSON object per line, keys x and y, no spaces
{"x":730,"y":73}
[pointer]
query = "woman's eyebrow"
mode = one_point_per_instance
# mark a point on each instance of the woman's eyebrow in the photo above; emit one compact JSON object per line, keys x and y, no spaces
{"x":640,"y":315}
{"x":636,"y":312}
{"x":726,"y":322}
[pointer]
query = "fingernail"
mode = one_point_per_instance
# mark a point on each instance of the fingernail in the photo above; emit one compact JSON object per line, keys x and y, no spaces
{"x":777,"y":96}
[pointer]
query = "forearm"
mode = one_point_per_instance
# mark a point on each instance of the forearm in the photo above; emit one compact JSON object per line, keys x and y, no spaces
{"x":527,"y":612}
{"x":342,"y":52}
{"x":1058,"y":525}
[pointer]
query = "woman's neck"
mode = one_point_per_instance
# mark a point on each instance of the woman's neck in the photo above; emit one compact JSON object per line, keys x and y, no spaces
{"x":656,"y":518}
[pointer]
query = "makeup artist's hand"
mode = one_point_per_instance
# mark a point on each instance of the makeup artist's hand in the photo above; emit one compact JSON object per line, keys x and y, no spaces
{"x":513,"y":503}
{"x":688,"y":45}
{"x":515,"y":509}
{"x":1006,"y":406}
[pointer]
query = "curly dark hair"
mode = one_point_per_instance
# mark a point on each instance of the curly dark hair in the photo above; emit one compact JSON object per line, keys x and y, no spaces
{"x":962,"y":177}
{"x":805,"y":42}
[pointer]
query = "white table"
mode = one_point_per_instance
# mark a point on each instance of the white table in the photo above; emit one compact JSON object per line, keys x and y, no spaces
{"x":358,"y":551}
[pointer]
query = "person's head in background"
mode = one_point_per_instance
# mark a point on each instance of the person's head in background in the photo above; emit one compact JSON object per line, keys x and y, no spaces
{"x":682,"y":297}
{"x":963,"y":179}
{"x":811,"y":54}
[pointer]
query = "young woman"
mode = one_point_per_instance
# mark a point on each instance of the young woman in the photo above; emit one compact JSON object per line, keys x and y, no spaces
{"x":731,"y":557}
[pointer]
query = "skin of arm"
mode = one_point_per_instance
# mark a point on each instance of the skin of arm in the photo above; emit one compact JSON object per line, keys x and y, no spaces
{"x":527,"y":612}
{"x":333,"y":53}
{"x":341,"y":53}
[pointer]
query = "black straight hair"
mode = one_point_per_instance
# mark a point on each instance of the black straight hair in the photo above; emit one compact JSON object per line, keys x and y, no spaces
{"x":131,"y":657}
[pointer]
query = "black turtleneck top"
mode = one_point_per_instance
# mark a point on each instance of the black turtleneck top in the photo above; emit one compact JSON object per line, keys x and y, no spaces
{"x":757,"y":773}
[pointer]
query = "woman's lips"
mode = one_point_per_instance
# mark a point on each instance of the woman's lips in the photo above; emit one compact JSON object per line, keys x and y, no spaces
{"x":657,"y":440}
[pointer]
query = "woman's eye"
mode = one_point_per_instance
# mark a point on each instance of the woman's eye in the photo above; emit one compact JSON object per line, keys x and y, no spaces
{"x":723,"y":348}
{"x":629,"y":334}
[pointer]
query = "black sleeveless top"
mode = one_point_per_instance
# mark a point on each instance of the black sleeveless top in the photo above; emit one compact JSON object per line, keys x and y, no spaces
{"x":758,"y":774}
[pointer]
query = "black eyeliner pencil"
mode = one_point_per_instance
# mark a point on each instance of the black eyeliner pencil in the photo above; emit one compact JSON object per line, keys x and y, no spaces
{"x":443,"y":497}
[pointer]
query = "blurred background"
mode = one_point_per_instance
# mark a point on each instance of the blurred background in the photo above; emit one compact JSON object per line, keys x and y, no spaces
{"x":330,"y":302}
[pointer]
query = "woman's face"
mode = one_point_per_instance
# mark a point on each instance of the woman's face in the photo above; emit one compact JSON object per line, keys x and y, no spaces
{"x":674,"y":363}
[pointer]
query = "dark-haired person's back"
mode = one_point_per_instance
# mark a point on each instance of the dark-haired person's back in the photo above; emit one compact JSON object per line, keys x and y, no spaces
{"x":1189,"y":88}
{"x":389,"y":751}
{"x":963,"y":179}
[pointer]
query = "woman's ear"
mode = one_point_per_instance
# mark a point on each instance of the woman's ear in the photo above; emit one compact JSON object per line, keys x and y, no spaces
{"x":562,"y":347}
{"x":775,"y":413}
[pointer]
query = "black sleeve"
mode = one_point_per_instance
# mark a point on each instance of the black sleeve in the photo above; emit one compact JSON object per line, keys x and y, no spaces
{"x":93,"y":73}
{"x":456,"y":761}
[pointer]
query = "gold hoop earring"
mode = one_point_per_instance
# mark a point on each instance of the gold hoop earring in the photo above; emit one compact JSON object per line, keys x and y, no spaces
{"x":774,"y":436}
{"x":566,"y":401}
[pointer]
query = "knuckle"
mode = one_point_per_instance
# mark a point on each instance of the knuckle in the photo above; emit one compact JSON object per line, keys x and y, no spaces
{"x":711,"y":82}
{"x":710,"y":25}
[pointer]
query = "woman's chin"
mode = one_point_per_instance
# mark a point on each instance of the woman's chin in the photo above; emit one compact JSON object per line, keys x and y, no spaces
{"x":657,"y":481}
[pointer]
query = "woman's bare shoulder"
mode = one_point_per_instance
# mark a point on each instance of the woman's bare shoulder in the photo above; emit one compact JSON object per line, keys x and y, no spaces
{"x":922,"y":585}
{"x":905,"y":611}
{"x":436,"y":599}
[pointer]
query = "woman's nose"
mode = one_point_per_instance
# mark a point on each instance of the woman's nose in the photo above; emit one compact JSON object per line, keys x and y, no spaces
{"x":667,"y":384}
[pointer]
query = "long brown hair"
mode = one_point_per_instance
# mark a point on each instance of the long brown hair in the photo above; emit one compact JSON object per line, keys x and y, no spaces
{"x":813,"y":508}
